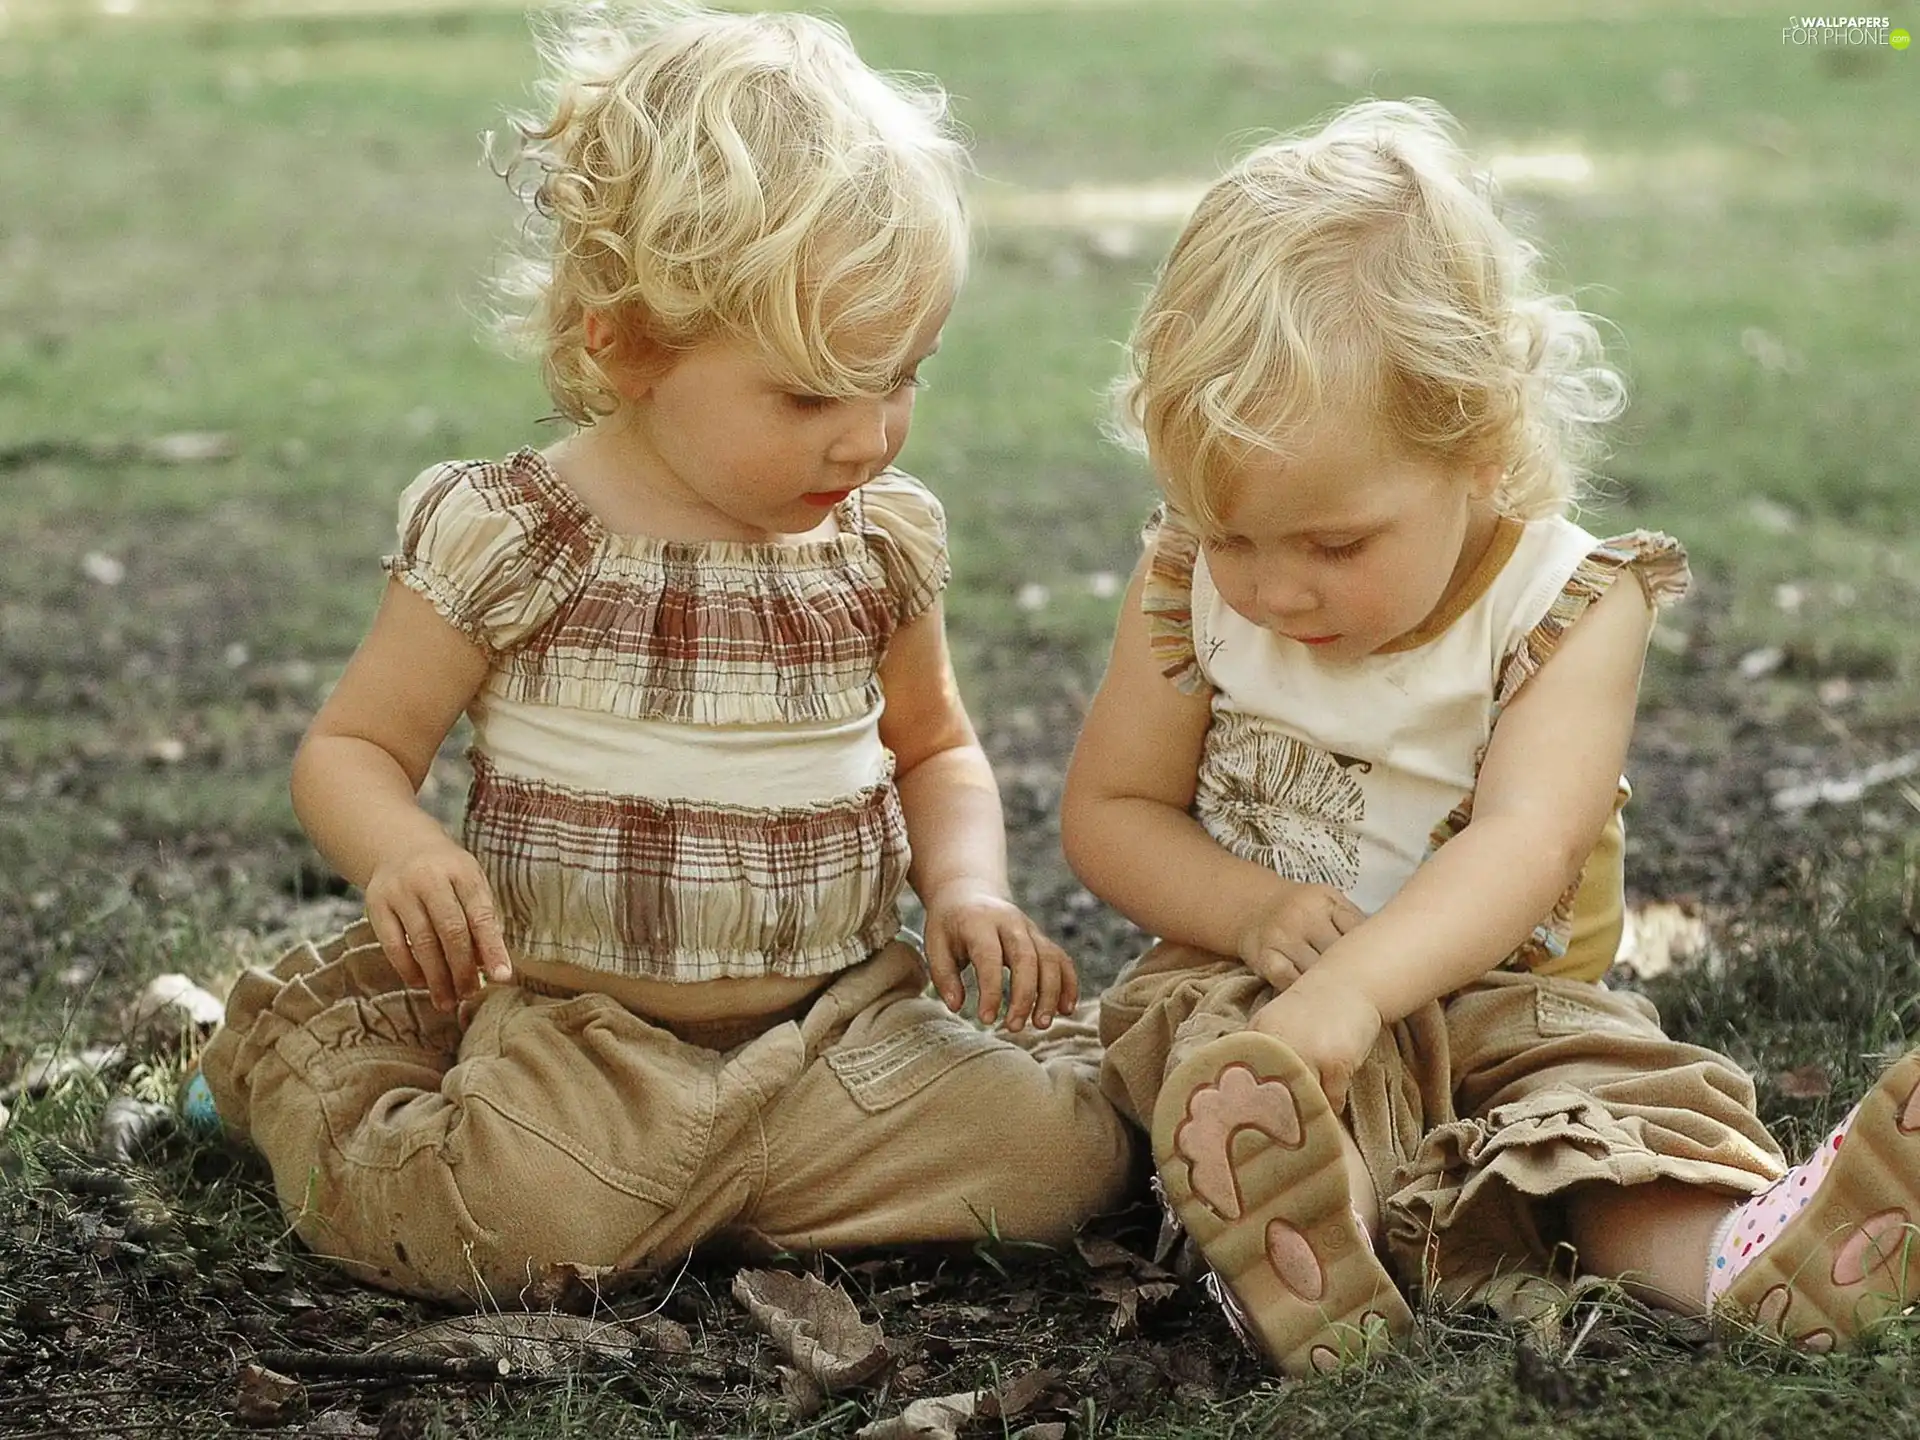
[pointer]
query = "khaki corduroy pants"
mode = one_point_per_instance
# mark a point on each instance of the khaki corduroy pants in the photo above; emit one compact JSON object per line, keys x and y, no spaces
{"x":466,"y":1158}
{"x":1476,"y":1114}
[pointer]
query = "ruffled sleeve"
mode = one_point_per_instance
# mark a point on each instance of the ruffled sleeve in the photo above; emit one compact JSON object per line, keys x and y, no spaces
{"x":1658,"y":562}
{"x":1166,"y":597}
{"x":906,"y":531}
{"x":488,"y":545}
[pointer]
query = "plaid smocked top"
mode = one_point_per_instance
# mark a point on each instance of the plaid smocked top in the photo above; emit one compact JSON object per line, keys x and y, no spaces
{"x":677,"y":766}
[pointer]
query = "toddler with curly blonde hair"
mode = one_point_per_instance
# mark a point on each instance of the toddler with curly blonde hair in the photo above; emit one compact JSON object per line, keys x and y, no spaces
{"x":659,"y":991}
{"x":1356,"y":760}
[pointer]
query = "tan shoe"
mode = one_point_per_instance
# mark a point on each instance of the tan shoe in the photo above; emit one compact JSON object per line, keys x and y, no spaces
{"x":1249,"y":1157}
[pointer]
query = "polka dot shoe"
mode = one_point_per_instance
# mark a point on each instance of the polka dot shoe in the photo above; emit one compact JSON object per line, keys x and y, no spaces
{"x":1834,"y":1245}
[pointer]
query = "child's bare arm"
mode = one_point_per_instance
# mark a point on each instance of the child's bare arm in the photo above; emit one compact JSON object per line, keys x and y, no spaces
{"x":958,"y":834}
{"x":355,"y":779}
{"x":1547,"y":785}
{"x":1129,"y":836}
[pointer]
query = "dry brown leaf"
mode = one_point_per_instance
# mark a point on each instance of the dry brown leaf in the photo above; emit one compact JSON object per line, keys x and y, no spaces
{"x":1102,"y":1253}
{"x":1804,"y":1082}
{"x":1129,"y":1298}
{"x":937,"y":1418}
{"x":815,"y":1325}
{"x":266,"y":1397}
{"x":803,"y":1396}
{"x":1126,"y":1281}
{"x":577,"y":1289}
{"x":1017,"y":1397}
{"x":537,"y":1343}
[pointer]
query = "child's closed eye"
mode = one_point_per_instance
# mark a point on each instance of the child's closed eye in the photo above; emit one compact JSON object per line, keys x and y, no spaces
{"x":1344,"y":551}
{"x":813,"y":404}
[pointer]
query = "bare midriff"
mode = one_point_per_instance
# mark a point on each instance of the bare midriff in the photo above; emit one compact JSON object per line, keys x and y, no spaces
{"x":669,"y":1000}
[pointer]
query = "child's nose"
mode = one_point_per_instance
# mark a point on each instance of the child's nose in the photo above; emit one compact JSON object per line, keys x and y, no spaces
{"x":1282,"y":595}
{"x":868,"y":435}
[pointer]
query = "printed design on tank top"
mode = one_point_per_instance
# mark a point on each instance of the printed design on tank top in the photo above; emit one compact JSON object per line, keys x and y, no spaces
{"x":1277,"y":801}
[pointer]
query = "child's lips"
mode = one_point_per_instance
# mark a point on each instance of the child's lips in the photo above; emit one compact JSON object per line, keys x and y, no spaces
{"x":1313,"y":639}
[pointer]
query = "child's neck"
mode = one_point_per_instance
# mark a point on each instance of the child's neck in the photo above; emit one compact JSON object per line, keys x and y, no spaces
{"x":1483,"y":523}
{"x":612,"y":471}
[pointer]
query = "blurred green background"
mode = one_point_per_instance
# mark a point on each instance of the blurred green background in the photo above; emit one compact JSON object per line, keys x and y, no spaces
{"x":269,"y":224}
{"x":242,"y":255}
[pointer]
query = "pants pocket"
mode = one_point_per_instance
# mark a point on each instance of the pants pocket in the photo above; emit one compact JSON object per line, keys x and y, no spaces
{"x":1580,"y":1007}
{"x":591,"y":1087}
{"x":885,"y":1072}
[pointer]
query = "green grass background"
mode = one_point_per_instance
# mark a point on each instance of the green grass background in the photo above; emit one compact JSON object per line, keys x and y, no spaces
{"x":276,"y":229}
{"x":220,"y":218}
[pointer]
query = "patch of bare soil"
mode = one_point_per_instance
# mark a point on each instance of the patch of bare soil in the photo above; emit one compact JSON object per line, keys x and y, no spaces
{"x":122,"y":1315}
{"x":129,"y":1305}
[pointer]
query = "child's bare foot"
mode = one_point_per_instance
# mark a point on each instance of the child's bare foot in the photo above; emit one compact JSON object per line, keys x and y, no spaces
{"x":1835,"y":1245}
{"x":1249,"y":1155}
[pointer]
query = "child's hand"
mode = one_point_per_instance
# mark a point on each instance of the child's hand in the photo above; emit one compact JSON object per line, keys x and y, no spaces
{"x":434,"y":914}
{"x":1281,"y":941}
{"x":1329,"y":1024}
{"x":995,"y":936}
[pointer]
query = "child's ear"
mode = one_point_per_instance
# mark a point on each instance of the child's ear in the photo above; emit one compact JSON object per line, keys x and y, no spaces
{"x":631,"y":358}
{"x":1483,"y":480}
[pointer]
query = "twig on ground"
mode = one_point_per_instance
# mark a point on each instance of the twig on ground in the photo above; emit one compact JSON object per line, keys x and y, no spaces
{"x":384,"y":1366}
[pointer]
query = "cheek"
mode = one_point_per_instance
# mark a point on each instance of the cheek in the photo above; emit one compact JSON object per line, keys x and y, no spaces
{"x":1233,"y":581}
{"x":899,"y":421}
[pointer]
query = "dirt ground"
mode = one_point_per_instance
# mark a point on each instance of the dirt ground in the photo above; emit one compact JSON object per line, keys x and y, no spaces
{"x":124,"y":1312}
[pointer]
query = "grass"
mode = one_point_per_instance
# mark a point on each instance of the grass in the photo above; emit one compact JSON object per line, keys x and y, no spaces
{"x":274,"y":227}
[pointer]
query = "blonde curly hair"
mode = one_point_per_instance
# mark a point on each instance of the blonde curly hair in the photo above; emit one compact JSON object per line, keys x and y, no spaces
{"x":698,"y":175}
{"x":1362,"y":268}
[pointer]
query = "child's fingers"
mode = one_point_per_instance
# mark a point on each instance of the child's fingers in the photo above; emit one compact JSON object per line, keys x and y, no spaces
{"x":423,"y":942}
{"x":1321,"y":935}
{"x":489,"y":944}
{"x":1054,"y":968}
{"x":990,"y":971}
{"x":1275,"y":966}
{"x":1347,"y":916}
{"x":391,"y":932}
{"x":944,"y":972}
{"x":1017,"y":949}
{"x":417,"y":957}
{"x":1069,"y":985}
{"x":449,"y":931}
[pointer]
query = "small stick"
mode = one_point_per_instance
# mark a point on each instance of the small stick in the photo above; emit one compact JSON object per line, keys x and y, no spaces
{"x":383,"y":1365}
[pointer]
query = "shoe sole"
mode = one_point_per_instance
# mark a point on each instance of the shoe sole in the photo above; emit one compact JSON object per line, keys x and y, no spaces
{"x":1851,"y":1256}
{"x":1249,"y":1157}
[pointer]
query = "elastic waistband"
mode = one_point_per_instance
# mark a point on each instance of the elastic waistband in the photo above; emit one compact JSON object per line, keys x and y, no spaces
{"x":723,"y":1033}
